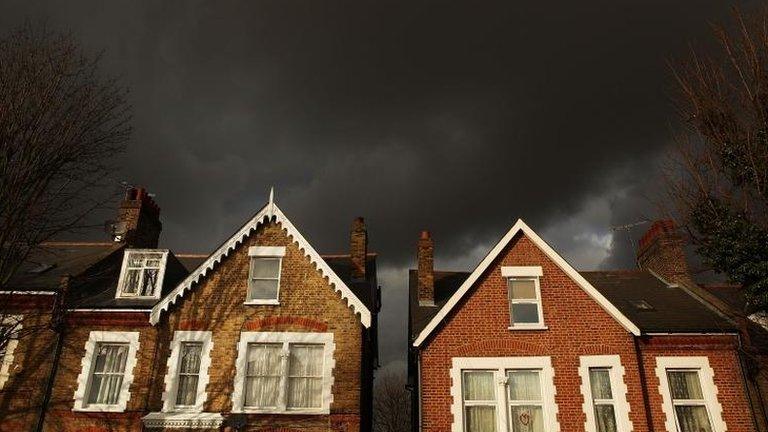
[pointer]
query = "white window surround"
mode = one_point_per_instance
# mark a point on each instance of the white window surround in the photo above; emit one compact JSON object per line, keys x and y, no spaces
{"x":160,"y":273}
{"x":708,"y":388}
{"x":83,"y":380}
{"x":171,"y":377}
{"x":521,"y":271}
{"x":526,"y":273}
{"x":266,"y":252}
{"x":500,"y":365}
{"x":238,"y":396}
{"x":10,"y":347}
{"x":618,"y":388}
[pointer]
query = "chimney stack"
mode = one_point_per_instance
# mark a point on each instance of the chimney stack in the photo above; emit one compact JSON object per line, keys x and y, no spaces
{"x":660,"y":250}
{"x":426,"y":271}
{"x":138,"y":220}
{"x":358,"y":247}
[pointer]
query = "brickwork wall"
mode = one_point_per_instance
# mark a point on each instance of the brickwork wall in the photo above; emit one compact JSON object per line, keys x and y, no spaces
{"x":307,"y":304}
{"x":22,"y":395}
{"x":723,"y":359}
{"x":577,"y":326}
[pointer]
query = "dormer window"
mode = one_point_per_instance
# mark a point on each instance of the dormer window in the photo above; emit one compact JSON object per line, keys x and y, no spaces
{"x":142,"y":273}
{"x":264,"y":274}
{"x":524,"y":293}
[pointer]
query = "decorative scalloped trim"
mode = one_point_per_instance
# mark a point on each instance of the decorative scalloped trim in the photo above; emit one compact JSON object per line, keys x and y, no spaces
{"x":183,"y":420}
{"x":269,"y":212}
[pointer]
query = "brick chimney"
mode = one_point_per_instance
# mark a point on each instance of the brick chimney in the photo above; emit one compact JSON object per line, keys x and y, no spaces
{"x":358,"y":247}
{"x":661,"y":251}
{"x":138,"y":220}
{"x":426,"y":271}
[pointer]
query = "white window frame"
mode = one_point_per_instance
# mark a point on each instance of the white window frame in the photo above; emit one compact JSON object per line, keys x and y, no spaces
{"x":708,"y":389}
{"x":618,"y":388}
{"x":84,"y":379}
{"x":13,"y":321}
{"x":160,"y":274}
{"x":285,"y":338}
{"x":172,"y":376}
{"x":500,"y":366}
{"x":275,"y":252}
{"x":534,"y":273}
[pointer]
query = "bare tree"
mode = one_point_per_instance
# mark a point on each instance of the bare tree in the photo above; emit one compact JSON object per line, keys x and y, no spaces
{"x":391,"y":404}
{"x":61,"y":125}
{"x":718,"y":176}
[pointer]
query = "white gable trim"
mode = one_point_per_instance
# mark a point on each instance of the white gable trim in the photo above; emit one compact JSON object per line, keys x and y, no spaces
{"x":520,"y":226}
{"x":266,"y":213}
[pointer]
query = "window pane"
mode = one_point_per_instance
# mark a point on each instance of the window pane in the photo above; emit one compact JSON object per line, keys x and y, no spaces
{"x":605,"y":417}
{"x":187,"y":394}
{"x":524,"y":385}
{"x":480,"y":418}
{"x":189,"y":361}
{"x":525,"y":313}
{"x":265,"y":268}
{"x":107,"y":375}
{"x":4,"y":340}
{"x":131,"y":281}
{"x":600,"y":381}
{"x":305,"y":376}
{"x":263,"y":289}
{"x":693,"y":419}
{"x":523,"y":289}
{"x":149,"y":282}
{"x":684,"y":385}
{"x":527,"y":418}
{"x":263,"y":372}
{"x":478,"y":385}
{"x":305,"y":392}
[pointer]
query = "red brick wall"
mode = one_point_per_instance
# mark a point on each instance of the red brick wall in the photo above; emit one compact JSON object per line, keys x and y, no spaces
{"x":577,"y":326}
{"x":723,"y":359}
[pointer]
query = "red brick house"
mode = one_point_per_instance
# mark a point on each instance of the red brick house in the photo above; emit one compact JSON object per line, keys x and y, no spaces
{"x":526,"y":343}
{"x":262,"y":334}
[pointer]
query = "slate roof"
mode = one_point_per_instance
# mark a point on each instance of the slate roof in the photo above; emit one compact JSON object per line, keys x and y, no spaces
{"x":674,"y":310}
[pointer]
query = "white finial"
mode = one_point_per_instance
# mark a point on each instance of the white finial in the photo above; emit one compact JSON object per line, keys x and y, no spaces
{"x":271,"y":201}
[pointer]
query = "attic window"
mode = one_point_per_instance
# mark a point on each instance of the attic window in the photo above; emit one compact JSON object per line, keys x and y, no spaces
{"x":264,"y":276}
{"x":641,"y":305}
{"x":142,"y":273}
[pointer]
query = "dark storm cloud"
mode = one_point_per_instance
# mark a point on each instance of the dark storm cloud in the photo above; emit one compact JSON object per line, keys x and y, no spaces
{"x":457,"y":117}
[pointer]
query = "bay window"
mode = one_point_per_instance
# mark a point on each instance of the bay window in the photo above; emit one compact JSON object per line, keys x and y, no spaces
{"x":503,"y":394}
{"x":284,"y":372}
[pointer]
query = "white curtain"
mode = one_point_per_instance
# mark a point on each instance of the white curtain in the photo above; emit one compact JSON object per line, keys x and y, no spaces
{"x":527,"y":418}
{"x":263,"y":375}
{"x":685,"y":385}
{"x":524,"y":385}
{"x":189,"y":373}
{"x":305,"y":376}
{"x":600,"y":382}
{"x":480,"y":401}
{"x":693,"y":419}
{"x":605,"y":418}
{"x":108,"y":373}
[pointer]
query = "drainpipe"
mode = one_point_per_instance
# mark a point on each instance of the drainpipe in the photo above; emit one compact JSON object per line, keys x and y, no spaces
{"x":57,"y":325}
{"x":643,"y":384}
{"x":747,"y":380}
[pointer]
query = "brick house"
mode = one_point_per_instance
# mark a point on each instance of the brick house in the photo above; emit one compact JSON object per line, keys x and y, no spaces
{"x":262,"y":334}
{"x":526,"y":343}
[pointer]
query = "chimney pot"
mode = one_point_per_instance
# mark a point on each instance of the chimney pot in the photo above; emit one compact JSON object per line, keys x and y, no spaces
{"x":426,"y":269}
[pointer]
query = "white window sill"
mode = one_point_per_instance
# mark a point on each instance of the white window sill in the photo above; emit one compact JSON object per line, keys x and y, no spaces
{"x":528,"y":327}
{"x":100,"y":408}
{"x":190,"y":420}
{"x":262,"y":302}
{"x":307,"y":411}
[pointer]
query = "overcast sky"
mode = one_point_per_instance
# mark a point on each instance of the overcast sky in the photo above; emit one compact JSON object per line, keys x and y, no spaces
{"x":457,"y":117}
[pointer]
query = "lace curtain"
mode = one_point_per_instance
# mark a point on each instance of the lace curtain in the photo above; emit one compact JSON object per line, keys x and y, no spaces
{"x":263,"y":372}
{"x":479,"y":401}
{"x":108,"y":372}
{"x":305,"y":376}
{"x":692,"y":415}
{"x":525,"y":412}
{"x":189,"y":373}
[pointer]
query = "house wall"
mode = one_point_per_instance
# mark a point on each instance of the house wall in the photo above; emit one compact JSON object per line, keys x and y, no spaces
{"x":577,"y":326}
{"x":307,"y":304}
{"x":22,"y":394}
{"x":60,"y":416}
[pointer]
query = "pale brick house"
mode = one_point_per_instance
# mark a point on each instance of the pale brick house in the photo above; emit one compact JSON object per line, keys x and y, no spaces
{"x":526,"y":343}
{"x":262,"y":334}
